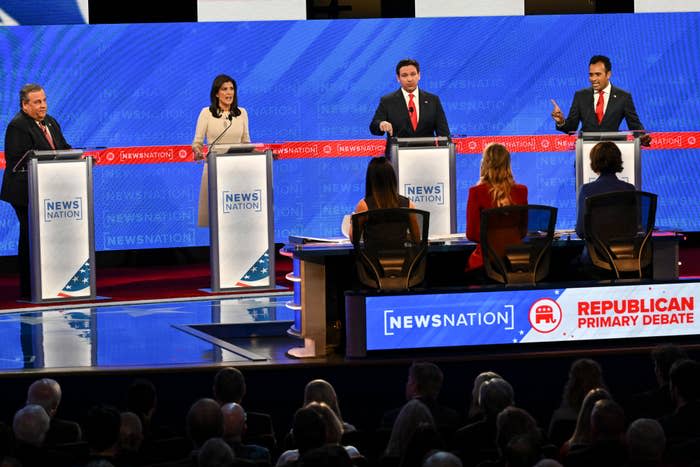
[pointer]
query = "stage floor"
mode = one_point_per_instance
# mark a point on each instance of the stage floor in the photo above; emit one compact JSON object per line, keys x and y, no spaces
{"x":180,"y":333}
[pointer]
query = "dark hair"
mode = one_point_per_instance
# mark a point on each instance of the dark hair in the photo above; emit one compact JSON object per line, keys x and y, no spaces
{"x":685,"y":378}
{"x":215,"y":87}
{"x":204,"y":420}
{"x":308,"y":429}
{"x":102,"y":427}
{"x":381,"y":184}
{"x":26,"y":89}
{"x":229,"y":385}
{"x":664,"y":356}
{"x":407,"y":62}
{"x":601,"y":59}
{"x":427,"y":378}
{"x":141,"y":397}
{"x":606,"y":158}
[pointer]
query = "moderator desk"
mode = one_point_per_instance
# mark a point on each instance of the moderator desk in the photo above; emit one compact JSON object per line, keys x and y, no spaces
{"x":326,"y":270}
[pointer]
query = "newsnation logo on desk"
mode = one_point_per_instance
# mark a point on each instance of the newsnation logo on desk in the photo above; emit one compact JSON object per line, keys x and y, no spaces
{"x":522,"y":316}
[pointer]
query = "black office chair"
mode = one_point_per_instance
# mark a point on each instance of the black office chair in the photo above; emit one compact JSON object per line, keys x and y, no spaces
{"x":391,"y":247}
{"x":617,"y":230}
{"x":516,"y":241}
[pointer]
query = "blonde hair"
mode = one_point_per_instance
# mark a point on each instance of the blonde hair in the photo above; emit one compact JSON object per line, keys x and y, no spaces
{"x":496,"y":172}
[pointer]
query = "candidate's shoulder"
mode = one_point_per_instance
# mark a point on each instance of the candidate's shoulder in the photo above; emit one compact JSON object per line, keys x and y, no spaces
{"x":619,"y":91}
{"x":393,"y":95}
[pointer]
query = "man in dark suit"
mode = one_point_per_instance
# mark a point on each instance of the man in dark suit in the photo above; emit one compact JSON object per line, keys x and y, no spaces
{"x":409,"y":112}
{"x":600,"y":107}
{"x":31,"y":128}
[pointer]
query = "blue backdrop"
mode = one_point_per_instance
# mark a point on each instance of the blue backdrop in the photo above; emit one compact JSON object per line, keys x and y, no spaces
{"x":131,"y":85}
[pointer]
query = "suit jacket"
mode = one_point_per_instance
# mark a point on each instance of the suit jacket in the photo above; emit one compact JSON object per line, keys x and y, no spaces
{"x":22,"y":135}
{"x":620,"y":106}
{"x":392,"y":108}
{"x":605,"y":183}
{"x":479,"y":199}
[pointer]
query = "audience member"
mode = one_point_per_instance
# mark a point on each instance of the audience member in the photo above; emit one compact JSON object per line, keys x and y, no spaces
{"x":410,"y":417}
{"x":309,"y":432}
{"x":548,"y":463}
{"x":215,"y":453}
{"x":141,"y":399}
{"x":424,"y":384}
{"x":102,"y":432}
{"x":47,"y":393}
{"x":130,"y":438}
{"x":204,"y":420}
{"x":320,"y":390}
{"x":683,"y":424}
{"x":234,"y":426}
{"x":646,"y":443}
{"x":30,"y":426}
{"x":476,"y":442}
{"x":607,"y":448}
{"x":474,"y":412}
{"x":656,"y":403}
{"x":585,"y":374}
{"x":424,"y":440}
{"x":582,"y":433}
{"x":229,"y":386}
{"x":330,"y":455}
{"x":442,"y":459}
{"x":523,"y":451}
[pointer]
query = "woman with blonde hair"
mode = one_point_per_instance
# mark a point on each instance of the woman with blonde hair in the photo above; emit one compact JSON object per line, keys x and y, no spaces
{"x":320,"y":390}
{"x":496,"y":188}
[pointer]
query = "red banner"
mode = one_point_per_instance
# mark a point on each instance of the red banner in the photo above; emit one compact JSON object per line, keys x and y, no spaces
{"x":375,"y":147}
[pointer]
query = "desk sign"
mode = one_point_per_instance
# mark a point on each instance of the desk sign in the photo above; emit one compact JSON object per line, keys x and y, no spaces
{"x":524,"y":316}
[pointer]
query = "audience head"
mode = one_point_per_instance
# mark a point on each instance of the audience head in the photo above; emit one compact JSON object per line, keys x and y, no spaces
{"x":606,"y":158}
{"x":130,"y":433}
{"x":381,"y":184}
{"x":229,"y":386}
{"x":46,"y":393}
{"x":684,"y":381}
{"x":320,"y":390}
{"x":102,"y":429}
{"x":496,"y":172}
{"x":582,"y":433}
{"x":234,"y":419}
{"x":141,"y":398}
{"x":585,"y":374}
{"x":424,"y":381}
{"x":330,"y":455}
{"x":411,"y":415}
{"x":215,"y":453}
{"x":442,"y":459}
{"x":646,"y":441}
{"x":607,"y":420}
{"x":548,"y":463}
{"x":495,"y":395}
{"x":480,"y":379}
{"x":523,"y":451}
{"x":308,"y":429}
{"x":30,"y":425}
{"x":664,"y":356}
{"x":334,"y":427}
{"x":204,"y":421}
{"x":424,"y":439}
{"x":512,"y":422}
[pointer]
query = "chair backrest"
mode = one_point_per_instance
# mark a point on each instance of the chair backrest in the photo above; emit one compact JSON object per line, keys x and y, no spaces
{"x":617,"y":228}
{"x":390,"y":247}
{"x":516,"y":242}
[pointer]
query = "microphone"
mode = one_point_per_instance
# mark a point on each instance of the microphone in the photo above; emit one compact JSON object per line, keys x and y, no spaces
{"x":216,"y":140}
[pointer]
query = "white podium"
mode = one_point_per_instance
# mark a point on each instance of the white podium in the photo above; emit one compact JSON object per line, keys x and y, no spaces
{"x":240,"y":218}
{"x":425,"y":168}
{"x":631,"y":160}
{"x":61,"y":226}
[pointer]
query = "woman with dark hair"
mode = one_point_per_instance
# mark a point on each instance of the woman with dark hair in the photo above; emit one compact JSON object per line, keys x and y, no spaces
{"x":606,"y":161}
{"x":223,"y":119}
{"x":496,"y":188}
{"x":381,"y":191}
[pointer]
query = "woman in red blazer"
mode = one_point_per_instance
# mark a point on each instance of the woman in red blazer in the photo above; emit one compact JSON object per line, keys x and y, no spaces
{"x":496,"y":188}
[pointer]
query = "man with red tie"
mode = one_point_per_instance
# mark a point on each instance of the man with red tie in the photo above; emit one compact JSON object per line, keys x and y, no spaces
{"x":31,"y":128}
{"x":409,"y":112}
{"x":600,"y":107}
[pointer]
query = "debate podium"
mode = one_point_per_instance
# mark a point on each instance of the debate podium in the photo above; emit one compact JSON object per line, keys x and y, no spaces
{"x":631,"y":159}
{"x":425,"y":169}
{"x":240,"y":218}
{"x":61,"y":225}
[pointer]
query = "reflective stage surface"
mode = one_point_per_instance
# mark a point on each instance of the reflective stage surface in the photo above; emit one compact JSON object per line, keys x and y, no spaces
{"x":153,"y":335}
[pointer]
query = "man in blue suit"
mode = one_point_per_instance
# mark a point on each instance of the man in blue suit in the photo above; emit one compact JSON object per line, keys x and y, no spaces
{"x":601,"y":107}
{"x":409,"y":112}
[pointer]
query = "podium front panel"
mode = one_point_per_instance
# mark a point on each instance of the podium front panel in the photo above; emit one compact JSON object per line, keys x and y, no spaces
{"x":425,"y":176}
{"x":242,"y":225}
{"x":61,"y":241}
{"x":631,"y":166}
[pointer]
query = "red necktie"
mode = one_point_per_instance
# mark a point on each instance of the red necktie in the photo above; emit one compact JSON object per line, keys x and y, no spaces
{"x":412,"y":112}
{"x":47,"y":134}
{"x":599,"y":106}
